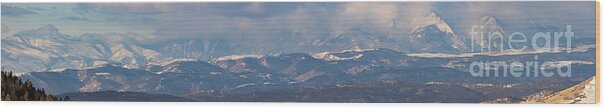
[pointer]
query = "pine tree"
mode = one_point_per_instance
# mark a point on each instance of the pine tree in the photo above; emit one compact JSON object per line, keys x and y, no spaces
{"x":15,"y":90}
{"x":7,"y":97}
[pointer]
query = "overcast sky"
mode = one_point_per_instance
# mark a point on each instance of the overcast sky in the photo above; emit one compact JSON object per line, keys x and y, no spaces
{"x":177,"y":20}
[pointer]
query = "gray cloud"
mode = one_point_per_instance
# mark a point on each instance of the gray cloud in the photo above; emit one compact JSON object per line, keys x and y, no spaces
{"x":83,"y":8}
{"x":120,"y":8}
{"x":15,"y":11}
{"x":5,"y":28}
{"x":76,"y":18}
{"x":165,"y":21}
{"x":253,"y":10}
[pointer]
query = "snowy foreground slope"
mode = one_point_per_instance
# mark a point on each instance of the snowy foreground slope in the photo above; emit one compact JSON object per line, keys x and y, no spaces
{"x":582,"y":93}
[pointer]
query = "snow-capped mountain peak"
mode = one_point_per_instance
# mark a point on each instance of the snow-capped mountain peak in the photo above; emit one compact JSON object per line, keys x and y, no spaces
{"x":46,"y":48}
{"x":491,"y":23}
{"x":433,"y":33}
{"x":434,"y":19}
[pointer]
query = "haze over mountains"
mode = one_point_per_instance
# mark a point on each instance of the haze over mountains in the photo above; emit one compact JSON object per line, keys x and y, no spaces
{"x":47,"y":48}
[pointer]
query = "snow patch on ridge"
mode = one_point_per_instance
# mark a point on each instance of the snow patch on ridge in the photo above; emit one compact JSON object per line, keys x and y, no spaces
{"x":177,"y":60}
{"x":330,"y":57}
{"x":236,"y":57}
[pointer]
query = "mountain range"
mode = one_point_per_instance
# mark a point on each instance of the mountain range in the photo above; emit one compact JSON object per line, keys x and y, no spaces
{"x":428,"y":63}
{"x":47,"y":48}
{"x":294,"y":72}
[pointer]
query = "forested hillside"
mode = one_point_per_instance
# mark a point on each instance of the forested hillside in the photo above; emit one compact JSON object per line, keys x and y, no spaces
{"x":15,"y":90}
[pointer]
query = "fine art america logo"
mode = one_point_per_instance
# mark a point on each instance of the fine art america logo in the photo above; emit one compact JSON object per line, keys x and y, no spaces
{"x":496,"y":41}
